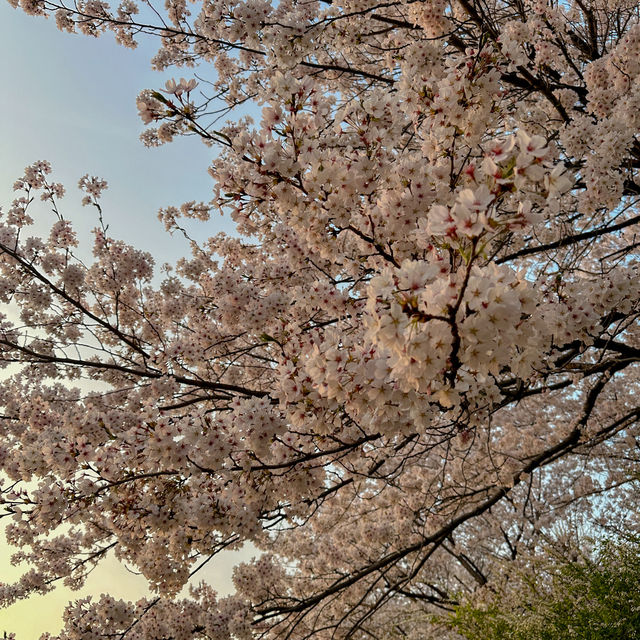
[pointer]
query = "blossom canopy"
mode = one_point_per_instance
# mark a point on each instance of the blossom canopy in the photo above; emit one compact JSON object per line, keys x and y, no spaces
{"x":415,"y":363}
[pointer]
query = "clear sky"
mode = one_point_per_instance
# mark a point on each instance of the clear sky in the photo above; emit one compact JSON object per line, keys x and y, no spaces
{"x":71,"y":100}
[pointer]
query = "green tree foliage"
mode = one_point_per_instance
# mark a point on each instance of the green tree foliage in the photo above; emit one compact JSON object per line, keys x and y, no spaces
{"x":594,"y":598}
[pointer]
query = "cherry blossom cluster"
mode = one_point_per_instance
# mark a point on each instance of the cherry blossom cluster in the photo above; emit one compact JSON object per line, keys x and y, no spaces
{"x":416,"y":359}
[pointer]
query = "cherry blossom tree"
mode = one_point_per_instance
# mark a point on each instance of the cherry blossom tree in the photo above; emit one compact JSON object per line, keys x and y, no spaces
{"x":415,"y":364}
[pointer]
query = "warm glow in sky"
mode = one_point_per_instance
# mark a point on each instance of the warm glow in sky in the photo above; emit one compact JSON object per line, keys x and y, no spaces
{"x":71,"y":100}
{"x":30,"y":618}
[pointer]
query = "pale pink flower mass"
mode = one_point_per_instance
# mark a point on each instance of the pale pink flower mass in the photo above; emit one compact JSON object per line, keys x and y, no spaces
{"x":411,"y":371}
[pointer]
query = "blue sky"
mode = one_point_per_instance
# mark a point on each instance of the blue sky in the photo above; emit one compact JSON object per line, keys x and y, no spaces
{"x":72,"y":100}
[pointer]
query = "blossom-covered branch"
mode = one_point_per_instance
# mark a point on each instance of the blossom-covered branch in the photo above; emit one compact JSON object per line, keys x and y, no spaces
{"x":415,"y":363}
